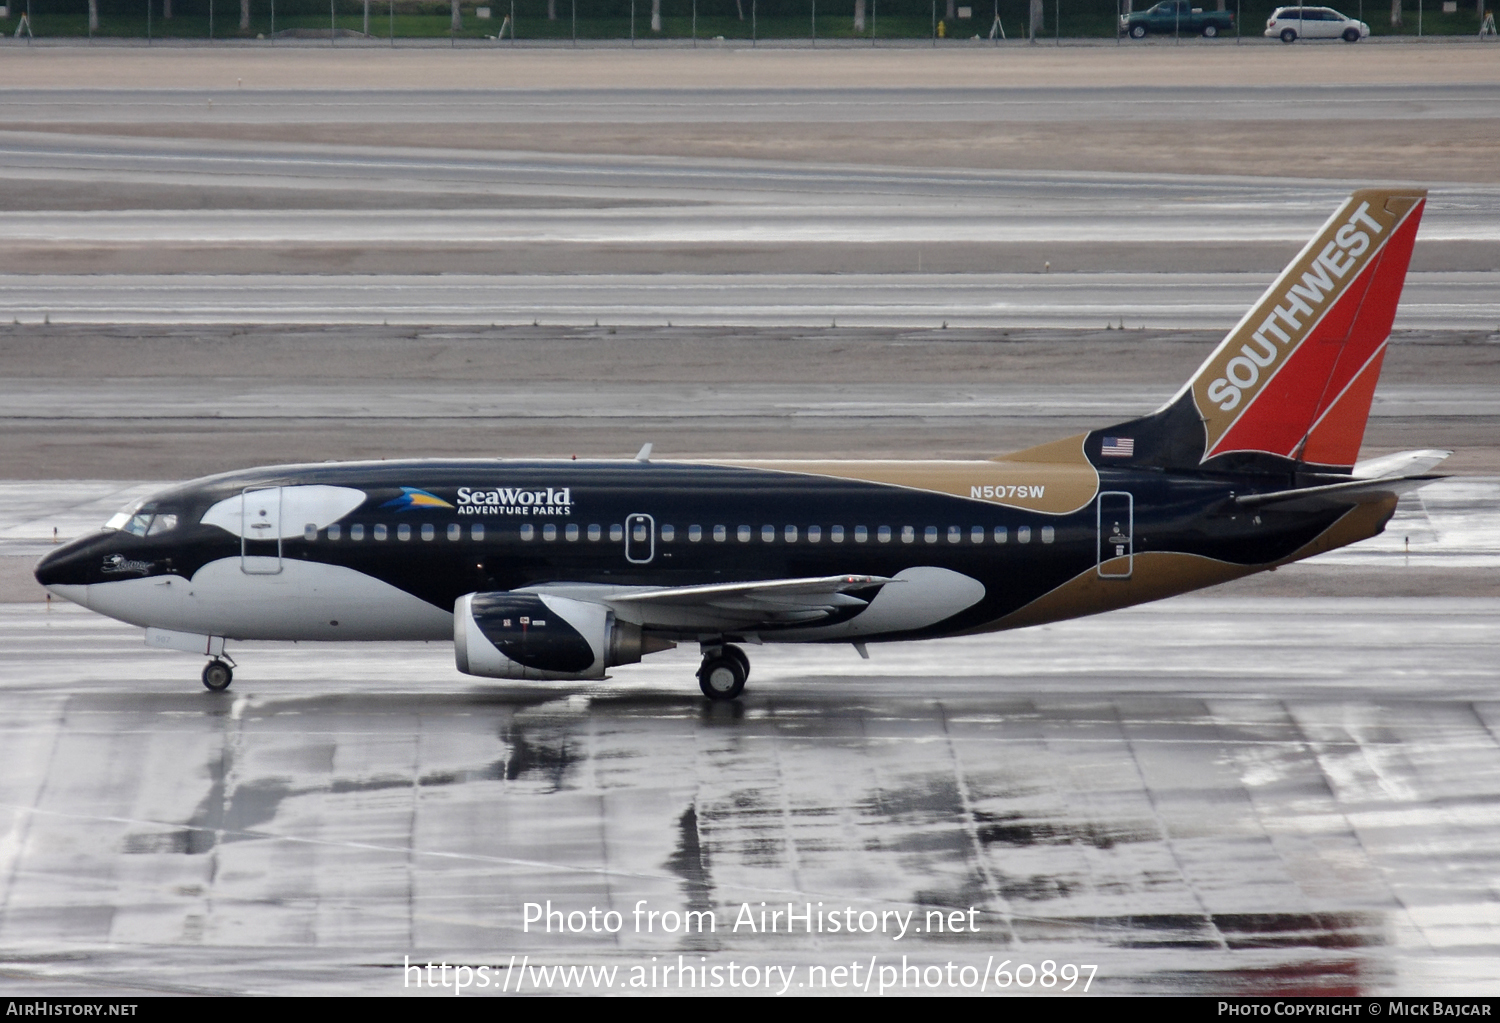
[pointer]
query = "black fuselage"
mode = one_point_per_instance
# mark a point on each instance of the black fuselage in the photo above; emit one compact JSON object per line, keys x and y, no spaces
{"x":440,"y":529}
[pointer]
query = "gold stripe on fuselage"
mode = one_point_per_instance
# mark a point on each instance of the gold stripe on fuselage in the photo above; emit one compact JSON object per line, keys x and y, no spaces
{"x":1158,"y":574}
{"x":1054,"y":478}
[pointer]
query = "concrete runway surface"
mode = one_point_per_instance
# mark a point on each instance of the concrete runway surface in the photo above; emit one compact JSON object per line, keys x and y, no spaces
{"x":1451,"y":301}
{"x":1202,"y":796}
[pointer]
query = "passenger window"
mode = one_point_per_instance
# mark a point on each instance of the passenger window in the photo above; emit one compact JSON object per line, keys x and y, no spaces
{"x":976,"y":535}
{"x":908,"y":534}
{"x":167,"y":523}
{"x":695,"y":533}
{"x":742,"y":534}
{"x":476,"y":531}
{"x":861,"y":534}
{"x":428,"y":532}
{"x":335,"y":531}
{"x":767,"y":534}
{"x":720,"y":534}
{"x":1047,"y":534}
{"x":403,"y":531}
{"x":549,"y":532}
{"x":617,"y":532}
{"x":357,"y":531}
{"x":789,"y":534}
{"x":814,"y":534}
{"x":1023,"y":534}
{"x":379,"y":531}
{"x":639,"y":532}
{"x":1001,"y":534}
{"x":528,"y":531}
{"x":595,"y":532}
{"x":930,"y":534}
{"x":310,"y":531}
{"x":455,"y":531}
{"x":836,"y":534}
{"x":668,"y":534}
{"x":883,"y":534}
{"x":955,"y":535}
{"x":571,"y":532}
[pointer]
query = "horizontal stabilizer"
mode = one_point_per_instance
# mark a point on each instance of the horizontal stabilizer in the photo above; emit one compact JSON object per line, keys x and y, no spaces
{"x":1402,"y":463}
{"x":1336,"y":495}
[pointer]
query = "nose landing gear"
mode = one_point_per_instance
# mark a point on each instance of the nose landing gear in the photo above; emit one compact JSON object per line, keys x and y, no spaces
{"x":723,"y":672}
{"x":217,"y":675}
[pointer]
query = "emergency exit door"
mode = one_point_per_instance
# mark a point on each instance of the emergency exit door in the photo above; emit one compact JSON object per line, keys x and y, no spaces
{"x":640,"y":539}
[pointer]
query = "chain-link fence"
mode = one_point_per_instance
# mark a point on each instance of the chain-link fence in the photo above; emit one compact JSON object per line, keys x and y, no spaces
{"x":742,"y":22}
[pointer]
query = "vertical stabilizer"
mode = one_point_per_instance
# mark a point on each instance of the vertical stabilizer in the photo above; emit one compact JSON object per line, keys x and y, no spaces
{"x":1291,"y":384}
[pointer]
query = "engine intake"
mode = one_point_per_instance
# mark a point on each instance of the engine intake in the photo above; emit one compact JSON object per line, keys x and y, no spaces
{"x":539,"y":636}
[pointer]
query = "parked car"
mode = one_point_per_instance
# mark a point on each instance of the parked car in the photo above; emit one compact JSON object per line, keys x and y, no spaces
{"x":1177,"y":16}
{"x":1293,"y":23}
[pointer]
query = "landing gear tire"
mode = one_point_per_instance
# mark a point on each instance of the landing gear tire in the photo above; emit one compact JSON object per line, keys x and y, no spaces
{"x":216,"y":676}
{"x":722,"y":676}
{"x":1137,"y":31}
{"x":739,"y":655}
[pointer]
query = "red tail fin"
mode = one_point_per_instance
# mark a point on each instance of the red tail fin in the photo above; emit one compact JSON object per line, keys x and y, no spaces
{"x":1295,"y":377}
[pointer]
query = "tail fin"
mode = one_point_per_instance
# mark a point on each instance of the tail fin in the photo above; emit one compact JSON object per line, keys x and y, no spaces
{"x":1290,"y":387}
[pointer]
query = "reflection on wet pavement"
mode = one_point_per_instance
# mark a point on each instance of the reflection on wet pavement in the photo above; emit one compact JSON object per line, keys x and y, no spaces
{"x":1315,"y":819}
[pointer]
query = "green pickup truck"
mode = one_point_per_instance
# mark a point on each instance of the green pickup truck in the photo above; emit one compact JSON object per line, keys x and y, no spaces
{"x":1177,"y":16}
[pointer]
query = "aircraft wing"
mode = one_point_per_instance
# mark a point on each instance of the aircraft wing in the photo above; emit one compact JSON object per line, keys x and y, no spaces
{"x":735,"y":605}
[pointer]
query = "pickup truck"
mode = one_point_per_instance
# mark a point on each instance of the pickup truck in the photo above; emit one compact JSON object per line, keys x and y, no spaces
{"x":1175,"y":16}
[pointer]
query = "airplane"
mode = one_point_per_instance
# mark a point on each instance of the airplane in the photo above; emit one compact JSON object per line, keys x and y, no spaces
{"x":558,"y":570}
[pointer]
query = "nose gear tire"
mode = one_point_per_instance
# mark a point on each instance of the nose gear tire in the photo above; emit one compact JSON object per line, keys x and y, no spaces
{"x":217,"y":675}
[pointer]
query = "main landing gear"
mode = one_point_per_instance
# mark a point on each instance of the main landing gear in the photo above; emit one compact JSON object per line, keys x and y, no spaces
{"x":723,"y":672}
{"x":217,"y":675}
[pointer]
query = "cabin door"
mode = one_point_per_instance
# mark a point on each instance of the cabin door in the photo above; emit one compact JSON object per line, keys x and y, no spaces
{"x":260,"y":531}
{"x":1116,"y":525}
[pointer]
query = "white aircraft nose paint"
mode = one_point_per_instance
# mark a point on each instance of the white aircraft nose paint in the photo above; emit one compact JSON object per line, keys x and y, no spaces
{"x":77,"y":593}
{"x":301,"y":602}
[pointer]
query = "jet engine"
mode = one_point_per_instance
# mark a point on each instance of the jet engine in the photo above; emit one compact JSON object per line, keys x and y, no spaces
{"x":539,"y":636}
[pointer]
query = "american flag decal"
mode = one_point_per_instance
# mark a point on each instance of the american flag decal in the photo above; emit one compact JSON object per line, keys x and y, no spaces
{"x":1118,"y":447}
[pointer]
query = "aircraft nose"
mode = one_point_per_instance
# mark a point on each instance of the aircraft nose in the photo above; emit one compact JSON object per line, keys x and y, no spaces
{"x":68,"y":570}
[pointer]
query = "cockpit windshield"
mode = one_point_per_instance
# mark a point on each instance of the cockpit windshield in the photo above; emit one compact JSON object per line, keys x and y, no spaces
{"x":140,"y":519}
{"x":121,"y":518}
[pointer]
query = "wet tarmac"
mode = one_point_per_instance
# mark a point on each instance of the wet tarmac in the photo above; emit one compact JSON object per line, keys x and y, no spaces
{"x":1206,"y":795}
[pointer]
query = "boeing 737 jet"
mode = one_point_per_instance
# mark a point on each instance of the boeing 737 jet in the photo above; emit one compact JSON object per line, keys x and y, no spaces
{"x":562,"y":570}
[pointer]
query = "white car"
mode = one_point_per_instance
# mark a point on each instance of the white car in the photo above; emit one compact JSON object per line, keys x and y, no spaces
{"x":1293,"y":23}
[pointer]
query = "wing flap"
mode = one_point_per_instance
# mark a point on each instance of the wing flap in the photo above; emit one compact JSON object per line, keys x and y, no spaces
{"x":745,"y":605}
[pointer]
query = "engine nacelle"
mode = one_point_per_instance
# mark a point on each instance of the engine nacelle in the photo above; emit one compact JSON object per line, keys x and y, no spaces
{"x":539,"y":636}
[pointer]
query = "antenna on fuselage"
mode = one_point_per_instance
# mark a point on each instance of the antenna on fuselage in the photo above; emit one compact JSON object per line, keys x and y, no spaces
{"x":644,"y":455}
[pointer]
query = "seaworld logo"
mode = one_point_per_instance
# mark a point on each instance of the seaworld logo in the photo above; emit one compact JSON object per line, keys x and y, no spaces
{"x":515,"y":501}
{"x":116,"y":564}
{"x":412,"y":499}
